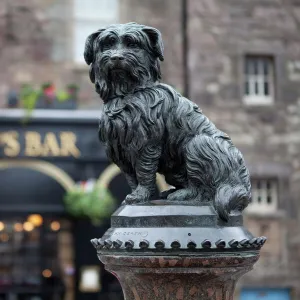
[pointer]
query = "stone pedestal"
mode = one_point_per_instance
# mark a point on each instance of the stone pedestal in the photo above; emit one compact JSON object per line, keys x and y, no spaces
{"x":177,"y":252}
{"x":176,"y":277}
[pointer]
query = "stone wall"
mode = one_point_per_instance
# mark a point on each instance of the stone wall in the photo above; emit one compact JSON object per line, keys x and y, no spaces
{"x":165,"y":15}
{"x":36,"y":41}
{"x":36,"y":46}
{"x":221,"y":33}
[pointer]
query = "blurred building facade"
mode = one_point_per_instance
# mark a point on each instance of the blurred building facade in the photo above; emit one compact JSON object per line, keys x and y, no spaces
{"x":243,"y":60}
{"x":239,"y":60}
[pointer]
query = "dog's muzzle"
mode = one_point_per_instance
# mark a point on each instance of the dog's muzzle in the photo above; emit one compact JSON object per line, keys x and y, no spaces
{"x":116,"y":58}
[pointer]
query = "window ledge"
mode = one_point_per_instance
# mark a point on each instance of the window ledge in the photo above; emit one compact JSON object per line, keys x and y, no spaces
{"x":258,"y":101}
{"x":259,"y":213}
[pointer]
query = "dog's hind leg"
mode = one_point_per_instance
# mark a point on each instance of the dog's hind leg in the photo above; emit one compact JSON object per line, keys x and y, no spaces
{"x":184,"y":189}
{"x":201,"y":158}
{"x":165,"y":194}
{"x":189,"y":193}
{"x":216,"y":168}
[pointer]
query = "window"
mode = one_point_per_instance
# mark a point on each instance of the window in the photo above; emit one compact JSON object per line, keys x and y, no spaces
{"x":90,"y":15}
{"x":264,"y":195}
{"x":259,"y":80}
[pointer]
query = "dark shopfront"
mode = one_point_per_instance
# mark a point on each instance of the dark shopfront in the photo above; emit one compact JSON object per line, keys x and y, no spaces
{"x":45,"y":254}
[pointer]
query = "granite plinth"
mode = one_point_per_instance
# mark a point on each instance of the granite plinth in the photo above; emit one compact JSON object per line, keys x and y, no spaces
{"x":174,"y":277}
{"x":177,"y":252}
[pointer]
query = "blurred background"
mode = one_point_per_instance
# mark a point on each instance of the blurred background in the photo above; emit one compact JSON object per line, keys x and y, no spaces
{"x":239,"y":60}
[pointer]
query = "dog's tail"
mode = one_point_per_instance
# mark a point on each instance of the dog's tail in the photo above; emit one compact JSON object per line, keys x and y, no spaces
{"x":230,"y":200}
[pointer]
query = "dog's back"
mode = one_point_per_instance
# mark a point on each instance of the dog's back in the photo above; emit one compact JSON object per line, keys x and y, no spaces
{"x":189,"y":141}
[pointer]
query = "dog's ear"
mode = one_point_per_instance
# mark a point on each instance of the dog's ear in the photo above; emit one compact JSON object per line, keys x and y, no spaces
{"x":155,"y":38}
{"x":88,"y":49}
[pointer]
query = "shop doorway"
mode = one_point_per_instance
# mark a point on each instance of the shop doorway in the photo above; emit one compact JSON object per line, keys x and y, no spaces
{"x":34,"y":261}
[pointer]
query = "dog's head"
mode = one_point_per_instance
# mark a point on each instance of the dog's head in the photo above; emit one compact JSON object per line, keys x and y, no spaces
{"x":123,"y":57}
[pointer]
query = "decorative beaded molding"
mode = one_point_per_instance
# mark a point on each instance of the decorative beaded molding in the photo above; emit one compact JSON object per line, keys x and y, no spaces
{"x":207,"y":245}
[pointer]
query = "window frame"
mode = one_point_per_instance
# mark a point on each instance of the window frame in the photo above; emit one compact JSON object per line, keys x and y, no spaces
{"x":252,"y":98}
{"x":77,"y":19}
{"x":264,"y":207}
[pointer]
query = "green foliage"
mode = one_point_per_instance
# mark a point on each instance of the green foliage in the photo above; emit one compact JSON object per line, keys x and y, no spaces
{"x":62,"y":96}
{"x":96,"y":205}
{"x":29,"y":98}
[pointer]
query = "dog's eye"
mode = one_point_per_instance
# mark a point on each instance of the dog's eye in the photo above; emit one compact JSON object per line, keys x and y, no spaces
{"x":109,"y":43}
{"x":106,"y":45}
{"x":132,"y":45}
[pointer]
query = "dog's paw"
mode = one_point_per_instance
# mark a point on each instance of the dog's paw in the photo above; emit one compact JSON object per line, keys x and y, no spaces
{"x":183,"y":194}
{"x":140,"y":194}
{"x":132,"y":199}
{"x":166,"y":193}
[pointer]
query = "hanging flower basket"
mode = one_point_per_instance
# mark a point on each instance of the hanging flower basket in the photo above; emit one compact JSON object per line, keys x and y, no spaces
{"x":47,"y":97}
{"x":89,"y":200}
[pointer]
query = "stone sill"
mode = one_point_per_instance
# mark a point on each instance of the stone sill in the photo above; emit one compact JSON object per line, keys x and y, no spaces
{"x":258,"y":101}
{"x":265,"y":214}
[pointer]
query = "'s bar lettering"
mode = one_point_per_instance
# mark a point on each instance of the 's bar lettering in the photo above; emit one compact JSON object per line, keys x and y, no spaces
{"x":33,"y":144}
{"x":11,"y":145}
{"x":51,"y":147}
{"x":68,"y":144}
{"x":36,"y":145}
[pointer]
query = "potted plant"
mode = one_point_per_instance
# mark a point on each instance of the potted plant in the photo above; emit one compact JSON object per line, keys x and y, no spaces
{"x":67,"y":99}
{"x":29,"y":98}
{"x":89,"y":200}
{"x":48,"y":97}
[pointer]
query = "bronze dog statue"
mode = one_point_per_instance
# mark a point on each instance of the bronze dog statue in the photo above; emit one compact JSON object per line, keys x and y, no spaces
{"x":148,"y":127}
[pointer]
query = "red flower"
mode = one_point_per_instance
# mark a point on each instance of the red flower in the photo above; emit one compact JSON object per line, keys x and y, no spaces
{"x":49,"y":91}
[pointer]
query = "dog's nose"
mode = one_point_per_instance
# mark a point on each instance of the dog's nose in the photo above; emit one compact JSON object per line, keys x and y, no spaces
{"x":117,"y":57}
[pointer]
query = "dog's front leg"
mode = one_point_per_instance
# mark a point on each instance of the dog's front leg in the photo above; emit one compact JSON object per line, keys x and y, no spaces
{"x":145,"y":169}
{"x":129,"y":173}
{"x":132,"y":181}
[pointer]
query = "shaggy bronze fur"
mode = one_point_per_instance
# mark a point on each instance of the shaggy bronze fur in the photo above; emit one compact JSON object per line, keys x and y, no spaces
{"x":148,"y":127}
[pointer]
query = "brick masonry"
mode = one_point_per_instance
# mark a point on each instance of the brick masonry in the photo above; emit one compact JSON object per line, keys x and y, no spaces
{"x":36,"y":46}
